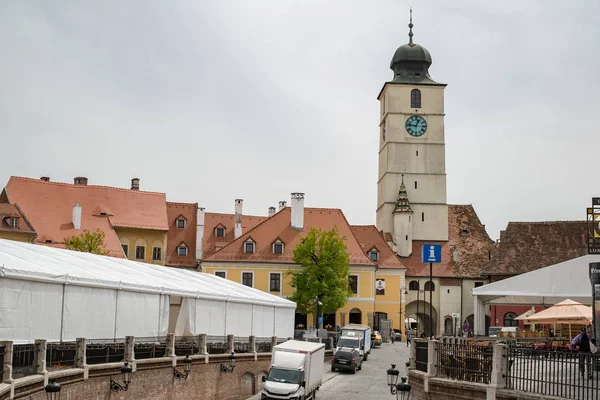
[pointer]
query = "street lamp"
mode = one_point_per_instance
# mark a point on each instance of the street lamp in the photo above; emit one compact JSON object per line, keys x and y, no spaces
{"x":402,"y":389}
{"x":401,"y":322}
{"x":187,"y":368}
{"x":126,"y":372}
{"x":319,"y":304}
{"x":52,"y":390}
{"x":229,"y":368}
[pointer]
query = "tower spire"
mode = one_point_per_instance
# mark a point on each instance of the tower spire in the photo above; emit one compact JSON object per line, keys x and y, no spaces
{"x":410,"y":33}
{"x":402,"y":203}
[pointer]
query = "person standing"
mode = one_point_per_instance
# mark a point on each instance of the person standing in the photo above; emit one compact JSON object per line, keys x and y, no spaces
{"x":392,"y":335}
{"x":581,"y":343}
{"x":407,"y":338}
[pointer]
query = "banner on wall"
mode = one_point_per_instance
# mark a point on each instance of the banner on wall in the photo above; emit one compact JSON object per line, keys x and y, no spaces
{"x":595,"y":281}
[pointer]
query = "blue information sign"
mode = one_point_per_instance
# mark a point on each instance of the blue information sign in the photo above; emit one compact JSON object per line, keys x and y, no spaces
{"x":431,"y":253}
{"x":320,"y":319}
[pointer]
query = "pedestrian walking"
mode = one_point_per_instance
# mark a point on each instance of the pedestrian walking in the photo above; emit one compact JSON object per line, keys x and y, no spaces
{"x":581,"y":343}
{"x":392,"y":335}
{"x":407,"y":338}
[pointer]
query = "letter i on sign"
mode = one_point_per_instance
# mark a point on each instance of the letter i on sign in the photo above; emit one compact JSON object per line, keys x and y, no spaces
{"x":432,"y":252}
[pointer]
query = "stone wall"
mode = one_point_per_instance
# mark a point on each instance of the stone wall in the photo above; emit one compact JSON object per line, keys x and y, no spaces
{"x":153,"y":380}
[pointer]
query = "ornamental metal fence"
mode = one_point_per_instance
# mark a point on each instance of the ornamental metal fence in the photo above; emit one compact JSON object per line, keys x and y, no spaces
{"x":22,"y":360}
{"x":103,"y":351}
{"x":553,"y":372}
{"x":421,"y":350}
{"x":465,"y":362}
{"x":2,"y":353}
{"x":61,"y":355}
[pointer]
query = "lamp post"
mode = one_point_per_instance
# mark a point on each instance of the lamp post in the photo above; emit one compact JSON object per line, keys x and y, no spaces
{"x":187,"y":368}
{"x":319,"y":304}
{"x":52,"y":390}
{"x":401,"y":322}
{"x":229,"y":367}
{"x":402,"y":389}
{"x":126,"y":372}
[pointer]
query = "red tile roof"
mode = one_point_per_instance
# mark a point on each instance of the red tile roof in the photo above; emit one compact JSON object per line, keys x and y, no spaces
{"x":368,"y":237}
{"x":49,"y":208}
{"x":186,"y":235}
{"x":278,"y":227}
{"x":12,"y":211}
{"x":467,"y":252}
{"x":211,"y":220}
{"x":527,"y":246}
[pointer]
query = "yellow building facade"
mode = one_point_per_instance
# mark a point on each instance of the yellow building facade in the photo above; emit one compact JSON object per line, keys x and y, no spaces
{"x":145,"y":245}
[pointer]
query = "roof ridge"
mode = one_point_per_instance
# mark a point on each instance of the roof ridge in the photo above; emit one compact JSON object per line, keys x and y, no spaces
{"x":181,"y":203}
{"x":233,"y":214}
{"x":547,"y":222}
{"x":364,"y":226}
{"x":85,"y":186}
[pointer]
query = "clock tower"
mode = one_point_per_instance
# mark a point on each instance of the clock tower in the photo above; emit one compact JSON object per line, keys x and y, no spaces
{"x":411,"y":185}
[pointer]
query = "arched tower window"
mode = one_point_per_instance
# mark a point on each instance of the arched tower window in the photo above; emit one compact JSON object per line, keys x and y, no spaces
{"x":413,"y":285}
{"x":509,"y":319}
{"x":415,"y":98}
{"x":429,"y":286}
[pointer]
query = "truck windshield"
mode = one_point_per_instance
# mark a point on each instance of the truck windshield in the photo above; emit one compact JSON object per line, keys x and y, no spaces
{"x":284,"y":375}
{"x":344,"y":342}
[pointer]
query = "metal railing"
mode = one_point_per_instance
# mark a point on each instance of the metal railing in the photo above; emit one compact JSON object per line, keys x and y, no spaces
{"x":102,"y":351}
{"x":422,"y":350}
{"x":216,"y":344}
{"x":465,"y":362}
{"x":263,"y":345}
{"x":2,"y":353}
{"x":561,"y":373}
{"x":186,"y":345}
{"x":22,"y":360}
{"x":150,"y":347}
{"x":61,"y":355}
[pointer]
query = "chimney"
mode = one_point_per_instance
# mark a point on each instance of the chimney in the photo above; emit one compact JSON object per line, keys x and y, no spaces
{"x":199,"y":232}
{"x":272,"y":211}
{"x":45,"y":178}
{"x":77,"y":216}
{"x":282,"y":205}
{"x":135,"y":184}
{"x":297,"y":220}
{"x":80,"y":180}
{"x":237,"y":228}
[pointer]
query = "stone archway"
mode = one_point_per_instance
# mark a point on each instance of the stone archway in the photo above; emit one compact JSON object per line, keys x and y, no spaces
{"x":420,"y":311}
{"x":260,"y":382}
{"x":470,"y":320}
{"x":247,"y":385}
{"x":355,"y":316}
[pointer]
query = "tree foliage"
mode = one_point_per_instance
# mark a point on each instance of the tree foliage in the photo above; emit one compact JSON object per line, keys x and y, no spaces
{"x":325,"y":269}
{"x":87,"y":242}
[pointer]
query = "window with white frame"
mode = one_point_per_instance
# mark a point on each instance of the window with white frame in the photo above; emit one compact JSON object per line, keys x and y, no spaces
{"x":353,"y":284}
{"x":13,"y":222}
{"x":248,"y":279}
{"x":249,"y":246}
{"x":278,"y":247}
{"x":374,"y":255}
{"x":275,"y":282}
{"x":181,"y":223}
{"x":182,"y":250}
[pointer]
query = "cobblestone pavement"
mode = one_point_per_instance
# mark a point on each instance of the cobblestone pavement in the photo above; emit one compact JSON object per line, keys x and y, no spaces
{"x":369,"y":383}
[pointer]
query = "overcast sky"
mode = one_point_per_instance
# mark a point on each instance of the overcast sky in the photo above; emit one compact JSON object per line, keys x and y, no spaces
{"x":214,"y":100}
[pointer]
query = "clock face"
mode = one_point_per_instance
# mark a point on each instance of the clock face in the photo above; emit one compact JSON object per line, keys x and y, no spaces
{"x":416,"y":125}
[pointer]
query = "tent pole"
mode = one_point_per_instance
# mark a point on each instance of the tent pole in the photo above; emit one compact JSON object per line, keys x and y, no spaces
{"x":62,"y":313}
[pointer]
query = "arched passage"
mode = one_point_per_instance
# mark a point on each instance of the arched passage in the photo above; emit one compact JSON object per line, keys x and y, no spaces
{"x":355,"y":316}
{"x":419,"y":310}
{"x":247,"y":385}
{"x":470,"y":322}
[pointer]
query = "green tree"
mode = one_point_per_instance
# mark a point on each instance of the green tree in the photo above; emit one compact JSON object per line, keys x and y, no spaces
{"x":87,"y":242}
{"x":325,"y":268}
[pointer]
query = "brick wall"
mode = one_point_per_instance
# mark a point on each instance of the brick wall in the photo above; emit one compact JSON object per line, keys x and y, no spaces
{"x":154,"y":381}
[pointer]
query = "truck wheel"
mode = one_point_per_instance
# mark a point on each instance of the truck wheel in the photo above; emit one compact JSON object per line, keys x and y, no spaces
{"x":332,"y":369}
{"x":366,"y":357}
{"x":360,"y":367}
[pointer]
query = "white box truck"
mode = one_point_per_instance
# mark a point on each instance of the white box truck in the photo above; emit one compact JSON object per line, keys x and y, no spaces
{"x":296,"y":371}
{"x":364,"y":331}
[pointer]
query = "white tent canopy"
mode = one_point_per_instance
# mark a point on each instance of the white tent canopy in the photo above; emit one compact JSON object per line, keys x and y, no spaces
{"x":545,"y":286}
{"x":56,"y":294}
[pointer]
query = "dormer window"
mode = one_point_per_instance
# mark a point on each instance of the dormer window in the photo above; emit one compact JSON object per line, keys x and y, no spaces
{"x":182,"y":250}
{"x":249,"y":246}
{"x":220,"y":231}
{"x":13,"y":222}
{"x":278,"y":247}
{"x":374,"y":255}
{"x":181,"y":222}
